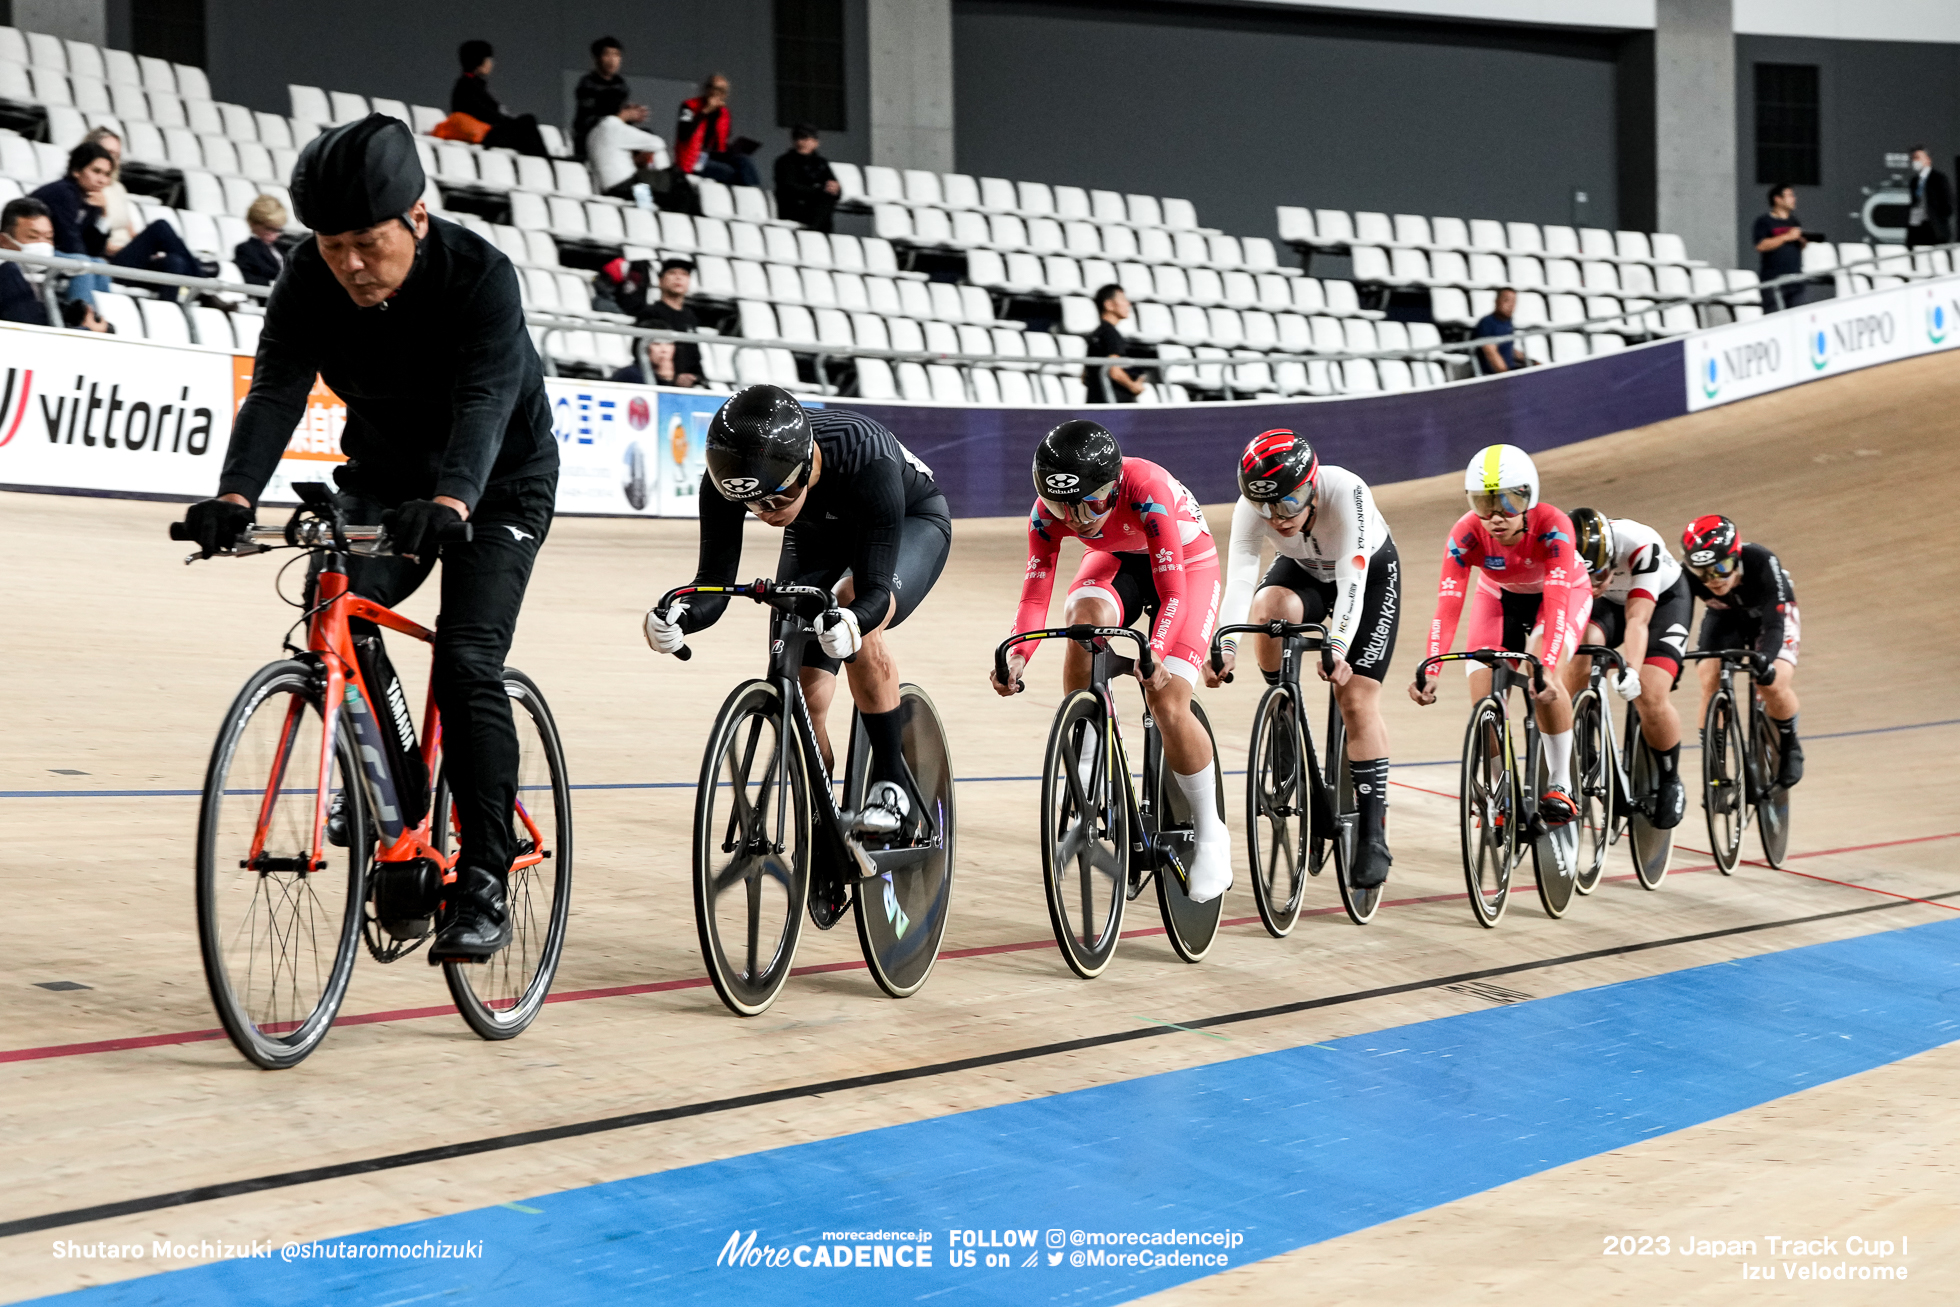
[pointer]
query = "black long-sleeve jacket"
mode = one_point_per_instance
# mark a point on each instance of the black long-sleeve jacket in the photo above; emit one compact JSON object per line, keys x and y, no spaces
{"x":444,"y":391}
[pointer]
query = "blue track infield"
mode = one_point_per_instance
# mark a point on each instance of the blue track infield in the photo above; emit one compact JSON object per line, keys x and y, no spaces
{"x":1274,"y":1151}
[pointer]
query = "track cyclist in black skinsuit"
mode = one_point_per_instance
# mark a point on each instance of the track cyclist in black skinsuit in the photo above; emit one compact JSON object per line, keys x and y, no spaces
{"x":416,"y":323}
{"x":861,"y":516}
{"x":1750,"y":603}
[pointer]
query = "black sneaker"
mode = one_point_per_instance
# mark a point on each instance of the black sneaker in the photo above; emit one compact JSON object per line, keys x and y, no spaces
{"x":1790,"y":770}
{"x":479,"y":926}
{"x":1371,"y":863}
{"x":337,"y":820}
{"x":1670,"y":802}
{"x":1556,"y":808}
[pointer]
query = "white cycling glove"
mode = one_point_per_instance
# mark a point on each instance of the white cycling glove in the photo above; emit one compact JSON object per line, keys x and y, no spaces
{"x":1628,"y":684}
{"x":663,"y":630}
{"x":839,"y":637}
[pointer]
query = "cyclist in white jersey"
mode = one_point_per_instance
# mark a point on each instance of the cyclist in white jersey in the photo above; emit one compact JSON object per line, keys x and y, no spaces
{"x":1335,"y":564}
{"x":1641,"y":606}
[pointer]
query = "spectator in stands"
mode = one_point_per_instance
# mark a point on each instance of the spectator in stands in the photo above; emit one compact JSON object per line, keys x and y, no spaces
{"x":24,"y":226}
{"x":1931,"y":219}
{"x":806,"y":188}
{"x":622,"y":155}
{"x":1107,"y":341}
{"x":671,"y":313}
{"x":595,"y":89}
{"x":75,"y":205}
{"x":1506,"y":357}
{"x":701,"y":138}
{"x":662,"y":353}
{"x":471,"y":95}
{"x":118,"y":214}
{"x":1778,"y":236}
{"x":259,"y":258}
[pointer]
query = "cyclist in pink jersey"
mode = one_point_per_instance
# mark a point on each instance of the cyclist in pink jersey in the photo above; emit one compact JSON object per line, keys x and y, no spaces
{"x":1533,"y":595}
{"x":1148,"y":550}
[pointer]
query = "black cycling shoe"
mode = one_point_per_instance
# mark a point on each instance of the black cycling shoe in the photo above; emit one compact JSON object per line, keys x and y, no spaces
{"x":1670,"y":802}
{"x":1556,"y":808}
{"x":478,"y":928}
{"x":1790,"y":770}
{"x":1371,"y":863}
{"x":337,"y":820}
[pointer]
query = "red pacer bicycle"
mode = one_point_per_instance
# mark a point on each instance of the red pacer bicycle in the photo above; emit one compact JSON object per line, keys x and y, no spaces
{"x":327,"y":822}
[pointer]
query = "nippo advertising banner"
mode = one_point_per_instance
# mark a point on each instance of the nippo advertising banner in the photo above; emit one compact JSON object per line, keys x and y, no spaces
{"x":93,"y":413}
{"x":1820,"y":340}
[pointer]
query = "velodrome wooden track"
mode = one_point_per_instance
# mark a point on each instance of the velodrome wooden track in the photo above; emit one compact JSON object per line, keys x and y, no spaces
{"x":118,"y":661}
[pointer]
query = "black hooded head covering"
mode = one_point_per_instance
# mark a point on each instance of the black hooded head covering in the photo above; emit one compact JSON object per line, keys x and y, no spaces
{"x":356,"y":175}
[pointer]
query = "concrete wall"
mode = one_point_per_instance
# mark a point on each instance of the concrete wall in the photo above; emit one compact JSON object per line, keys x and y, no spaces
{"x":257,"y":48}
{"x":1874,"y":97}
{"x":1240,"y":110}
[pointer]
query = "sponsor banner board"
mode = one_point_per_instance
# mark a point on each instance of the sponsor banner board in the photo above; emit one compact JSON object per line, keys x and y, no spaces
{"x":97,"y":414}
{"x":1820,"y":340}
{"x":92,"y":413}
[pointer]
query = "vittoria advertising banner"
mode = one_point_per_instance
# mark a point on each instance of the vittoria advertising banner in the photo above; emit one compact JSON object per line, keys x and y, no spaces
{"x":96,"y":414}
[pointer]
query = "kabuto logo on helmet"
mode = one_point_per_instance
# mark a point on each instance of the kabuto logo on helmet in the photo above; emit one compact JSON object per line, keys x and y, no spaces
{"x":739,"y":486}
{"x":1701,"y":557}
{"x":1261,"y":487}
{"x":1063,"y":480}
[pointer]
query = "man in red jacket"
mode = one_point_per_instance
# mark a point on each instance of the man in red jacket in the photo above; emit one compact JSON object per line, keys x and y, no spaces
{"x":701,"y":138}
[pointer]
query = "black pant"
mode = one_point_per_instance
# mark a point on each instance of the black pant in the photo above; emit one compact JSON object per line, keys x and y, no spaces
{"x":520,"y":134}
{"x":1787,"y":296}
{"x":482,"y":589}
{"x":158,"y":248}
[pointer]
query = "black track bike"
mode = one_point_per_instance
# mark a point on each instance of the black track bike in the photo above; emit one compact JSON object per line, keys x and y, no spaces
{"x":1739,"y":764}
{"x":1103,"y":840}
{"x":1499,"y":792}
{"x":771,"y":840}
{"x":1298,"y":809}
{"x":1616,"y":781}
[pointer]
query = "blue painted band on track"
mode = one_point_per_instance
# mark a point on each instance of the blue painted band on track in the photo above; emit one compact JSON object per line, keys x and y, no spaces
{"x":1277,"y":1151}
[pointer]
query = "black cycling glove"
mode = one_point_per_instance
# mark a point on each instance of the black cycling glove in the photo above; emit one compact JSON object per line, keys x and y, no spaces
{"x":417,"y":527}
{"x":216,"y":524}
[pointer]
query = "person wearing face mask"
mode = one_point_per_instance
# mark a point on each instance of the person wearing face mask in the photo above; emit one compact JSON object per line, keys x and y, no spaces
{"x":77,"y":205}
{"x":1335,"y":563}
{"x":1930,"y":221}
{"x":1532,"y":596}
{"x":26,"y":227}
{"x":416,"y":323}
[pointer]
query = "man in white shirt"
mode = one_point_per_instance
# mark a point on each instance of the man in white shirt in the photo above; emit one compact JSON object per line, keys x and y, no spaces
{"x":621,"y":155}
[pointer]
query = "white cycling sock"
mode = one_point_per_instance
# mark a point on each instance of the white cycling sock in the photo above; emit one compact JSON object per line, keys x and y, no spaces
{"x":1201,"y":796}
{"x":1558,"y":758}
{"x":1210,"y":872}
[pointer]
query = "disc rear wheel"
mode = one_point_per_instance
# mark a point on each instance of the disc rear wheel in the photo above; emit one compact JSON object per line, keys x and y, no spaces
{"x":1192,"y":926}
{"x":1652,"y":847}
{"x":1773,"y":805}
{"x":1593,"y":767}
{"x":902,"y":913}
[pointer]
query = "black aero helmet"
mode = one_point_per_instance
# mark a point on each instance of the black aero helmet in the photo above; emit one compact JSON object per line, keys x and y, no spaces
{"x":1279,"y":473}
{"x":357,"y":175}
{"x":759,"y":445}
{"x":1076,"y":461}
{"x":1592,"y":540}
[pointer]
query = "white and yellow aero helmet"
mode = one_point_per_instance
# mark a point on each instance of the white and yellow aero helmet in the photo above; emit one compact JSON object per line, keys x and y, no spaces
{"x":1498,"y":478}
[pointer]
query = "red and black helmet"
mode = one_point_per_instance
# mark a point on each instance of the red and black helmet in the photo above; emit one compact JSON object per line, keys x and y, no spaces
{"x":1711,"y":546}
{"x":1279,"y":473}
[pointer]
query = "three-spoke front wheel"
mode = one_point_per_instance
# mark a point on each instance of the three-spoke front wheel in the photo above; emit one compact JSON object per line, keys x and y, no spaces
{"x":501,"y":997}
{"x":1724,"y":779}
{"x":279,"y":915}
{"x":1085,"y":834}
{"x":1278,"y":811}
{"x":1489,"y":811}
{"x":751,"y":849}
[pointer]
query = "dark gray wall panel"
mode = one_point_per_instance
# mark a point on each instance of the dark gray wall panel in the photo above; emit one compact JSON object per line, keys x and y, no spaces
{"x":1242,"y":110}
{"x":1873,"y":97}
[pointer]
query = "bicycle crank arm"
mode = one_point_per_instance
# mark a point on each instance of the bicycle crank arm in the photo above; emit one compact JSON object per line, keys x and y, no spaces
{"x":890,"y":860}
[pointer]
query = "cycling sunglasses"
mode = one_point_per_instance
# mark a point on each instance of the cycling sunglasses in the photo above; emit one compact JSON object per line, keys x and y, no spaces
{"x":1511,"y":502}
{"x":1287,"y":506}
{"x":1086,"y":511}
{"x":784,"y":495}
{"x":1719,"y":568}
